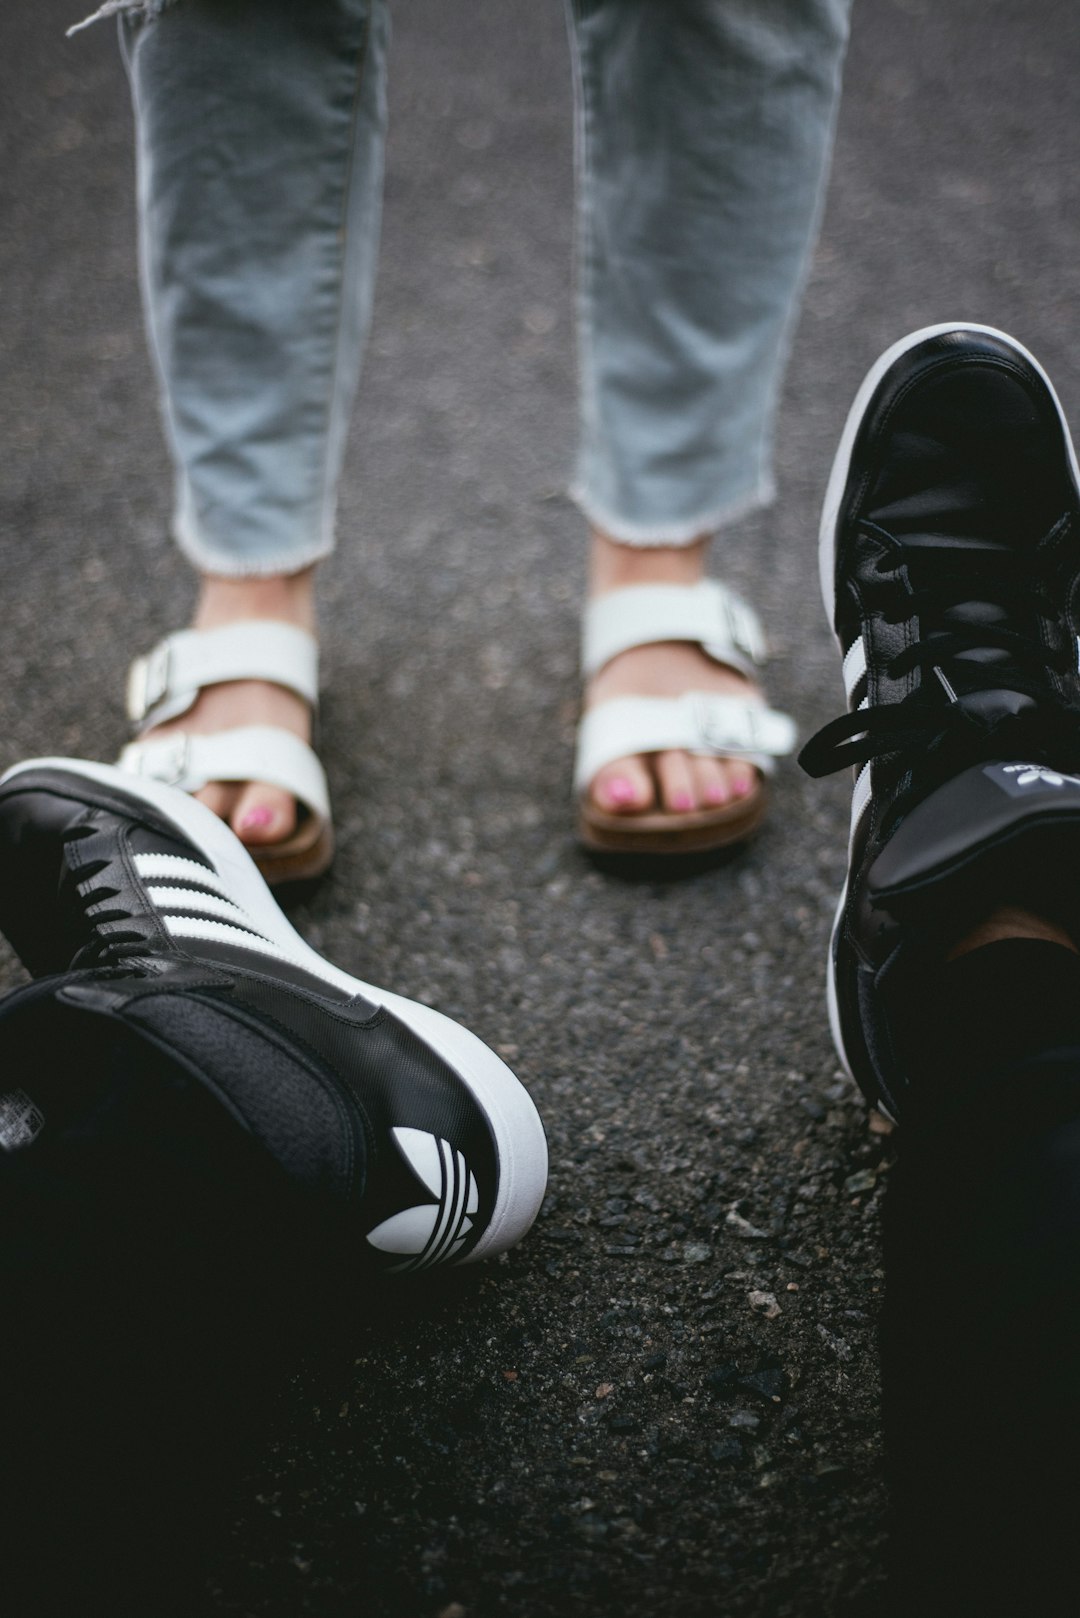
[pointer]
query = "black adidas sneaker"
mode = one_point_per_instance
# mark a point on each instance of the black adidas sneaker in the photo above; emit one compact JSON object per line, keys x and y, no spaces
{"x":146,"y":924}
{"x":950,"y":568}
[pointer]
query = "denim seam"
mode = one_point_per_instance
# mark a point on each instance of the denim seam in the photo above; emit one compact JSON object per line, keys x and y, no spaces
{"x":584,"y":257}
{"x":332,"y":422}
{"x":185,"y":542}
{"x":786,"y":337}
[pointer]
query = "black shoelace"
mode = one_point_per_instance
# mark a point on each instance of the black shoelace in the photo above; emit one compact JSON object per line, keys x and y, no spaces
{"x":116,"y":947}
{"x":978,"y":608}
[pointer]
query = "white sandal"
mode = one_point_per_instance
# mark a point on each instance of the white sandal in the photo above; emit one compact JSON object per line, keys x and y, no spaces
{"x":702,"y":722}
{"x":165,"y":684}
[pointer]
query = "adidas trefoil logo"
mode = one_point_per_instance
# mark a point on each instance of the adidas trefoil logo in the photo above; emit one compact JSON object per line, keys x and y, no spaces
{"x":432,"y":1232}
{"x":1027,"y":774}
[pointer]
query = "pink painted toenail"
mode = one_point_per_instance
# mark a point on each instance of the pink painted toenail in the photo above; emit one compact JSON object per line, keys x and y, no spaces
{"x":620,"y":790}
{"x":716,"y":793}
{"x":256,"y":819}
{"x":741,"y":786}
{"x":682,"y":800}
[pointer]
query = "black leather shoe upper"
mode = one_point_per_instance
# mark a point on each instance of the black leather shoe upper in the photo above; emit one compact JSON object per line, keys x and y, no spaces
{"x":957,"y":563}
{"x":957,"y":584}
{"x":339,"y":1090}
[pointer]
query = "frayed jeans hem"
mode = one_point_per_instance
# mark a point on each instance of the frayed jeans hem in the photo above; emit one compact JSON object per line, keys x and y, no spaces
{"x":674,"y":534}
{"x":141,"y":9}
{"x":227,"y":564}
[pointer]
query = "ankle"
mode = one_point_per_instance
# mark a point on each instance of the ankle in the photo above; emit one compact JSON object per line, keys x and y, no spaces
{"x":1010,"y":921}
{"x":613,"y":566}
{"x":288,"y":597}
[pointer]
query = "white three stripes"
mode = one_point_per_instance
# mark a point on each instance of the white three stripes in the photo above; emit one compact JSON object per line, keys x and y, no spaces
{"x":854,"y":672}
{"x":194,"y":913}
{"x":170,"y":867}
{"x":203,"y":904}
{"x":854,"y":666}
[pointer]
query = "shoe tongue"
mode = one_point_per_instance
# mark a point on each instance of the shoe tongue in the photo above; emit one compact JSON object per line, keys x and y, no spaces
{"x":969,"y":585}
{"x":1010,"y":826}
{"x":992,"y":704}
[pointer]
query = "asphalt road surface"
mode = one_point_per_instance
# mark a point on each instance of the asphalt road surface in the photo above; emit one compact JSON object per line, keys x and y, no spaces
{"x":602,"y":1422}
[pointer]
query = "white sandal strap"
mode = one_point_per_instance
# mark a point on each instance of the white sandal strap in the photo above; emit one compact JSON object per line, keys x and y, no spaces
{"x":250,"y":753}
{"x":708,"y":613}
{"x":166,"y":682}
{"x":698,"y":722}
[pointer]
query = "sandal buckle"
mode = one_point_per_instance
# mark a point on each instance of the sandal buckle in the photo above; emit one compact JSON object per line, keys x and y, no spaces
{"x":148,"y":682}
{"x":165,"y":759}
{"x":172,"y":765}
{"x":737,"y":730}
{"x":743,"y":627}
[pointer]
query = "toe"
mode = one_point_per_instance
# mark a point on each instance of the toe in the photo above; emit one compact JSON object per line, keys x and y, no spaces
{"x":712,"y":782}
{"x":723,"y":780}
{"x":263,"y":814}
{"x":623,"y":788}
{"x":742,"y":778}
{"x":218,"y":798}
{"x":675,"y":774}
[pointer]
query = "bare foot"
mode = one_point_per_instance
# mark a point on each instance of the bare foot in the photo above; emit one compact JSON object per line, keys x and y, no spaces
{"x":1010,"y":921}
{"x":258,"y":813}
{"x":675,"y":780}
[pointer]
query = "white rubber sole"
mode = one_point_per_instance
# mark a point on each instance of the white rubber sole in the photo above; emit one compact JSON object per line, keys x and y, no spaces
{"x":834,"y":494}
{"x":831,"y":1000}
{"x":511,"y":1114}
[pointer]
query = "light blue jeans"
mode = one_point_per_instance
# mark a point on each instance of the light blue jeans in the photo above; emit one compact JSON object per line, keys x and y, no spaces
{"x":704,"y":131}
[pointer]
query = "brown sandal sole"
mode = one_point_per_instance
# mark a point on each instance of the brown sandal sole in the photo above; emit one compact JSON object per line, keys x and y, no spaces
{"x":305,"y":855}
{"x":697,"y":832}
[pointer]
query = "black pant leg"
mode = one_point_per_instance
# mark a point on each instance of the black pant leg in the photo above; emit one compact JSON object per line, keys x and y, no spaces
{"x":981,"y":1333}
